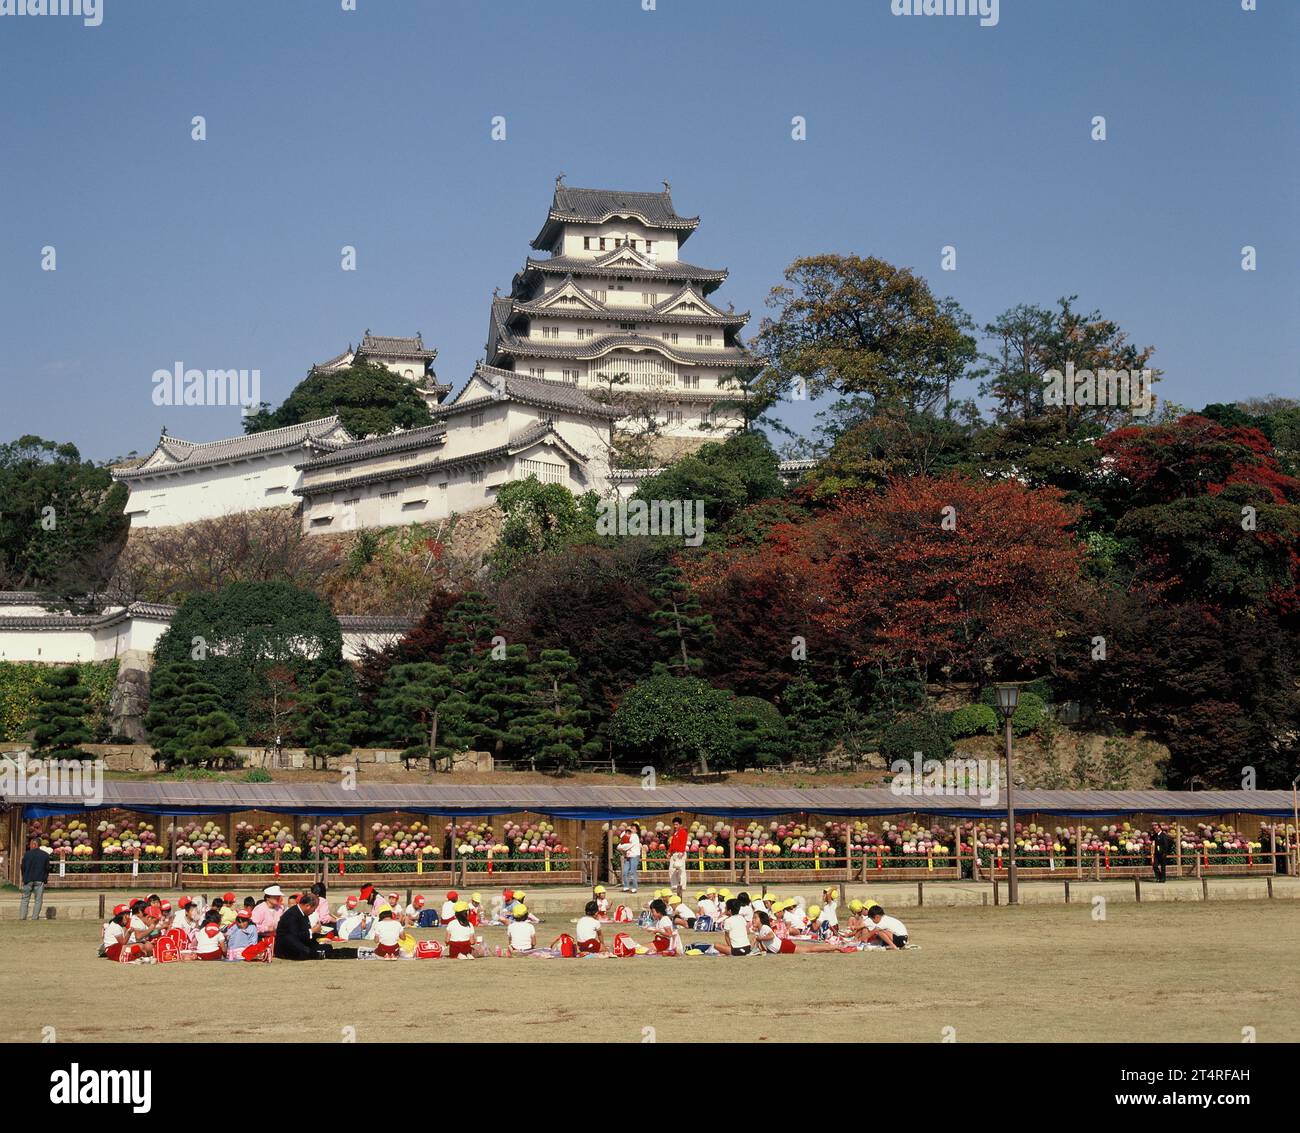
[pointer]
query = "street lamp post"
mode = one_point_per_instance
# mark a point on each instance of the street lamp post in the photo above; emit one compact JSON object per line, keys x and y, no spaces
{"x":1008,"y":696}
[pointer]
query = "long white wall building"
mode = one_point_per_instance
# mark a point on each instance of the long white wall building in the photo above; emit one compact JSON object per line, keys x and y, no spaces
{"x":31,"y":631}
{"x":184,"y":481}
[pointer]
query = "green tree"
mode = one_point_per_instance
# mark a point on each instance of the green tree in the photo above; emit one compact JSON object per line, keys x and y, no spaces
{"x":410,"y":710}
{"x":762,"y":735}
{"x":540,"y":518}
{"x":854,"y":325}
{"x":246,"y":629}
{"x":331,"y":717}
{"x":180,"y":698}
{"x":680,"y":623}
{"x":675,"y":723}
{"x":501,"y":691}
{"x":553,"y":731}
{"x":62,"y":521}
{"x":60,"y":716}
{"x":207,"y":743}
{"x":370,"y":401}
{"x":726,"y":477}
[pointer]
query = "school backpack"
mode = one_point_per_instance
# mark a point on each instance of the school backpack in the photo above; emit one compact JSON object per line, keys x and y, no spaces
{"x":566,"y":944}
{"x":622,"y":914}
{"x":624,"y":945}
{"x":428,"y":918}
{"x":166,"y":951}
{"x":428,"y":950}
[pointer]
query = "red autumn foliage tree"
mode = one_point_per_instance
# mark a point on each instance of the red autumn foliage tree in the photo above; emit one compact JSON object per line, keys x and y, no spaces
{"x":980,"y":595}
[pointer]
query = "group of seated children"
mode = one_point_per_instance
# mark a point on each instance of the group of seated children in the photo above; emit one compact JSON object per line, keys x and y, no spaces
{"x":150,"y":928}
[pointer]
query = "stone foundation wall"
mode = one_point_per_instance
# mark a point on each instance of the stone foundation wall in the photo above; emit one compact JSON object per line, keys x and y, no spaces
{"x":139,"y":757}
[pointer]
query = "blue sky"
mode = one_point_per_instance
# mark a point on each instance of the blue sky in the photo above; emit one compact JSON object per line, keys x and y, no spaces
{"x":372,"y":128}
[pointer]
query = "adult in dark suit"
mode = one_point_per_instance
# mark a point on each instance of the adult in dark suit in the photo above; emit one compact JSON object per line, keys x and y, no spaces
{"x":1161,"y":847}
{"x":293,"y":934}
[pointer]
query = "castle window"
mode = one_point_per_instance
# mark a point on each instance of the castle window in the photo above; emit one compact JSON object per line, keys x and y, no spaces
{"x":545,"y":471}
{"x":475,"y":420}
{"x":388,"y":495}
{"x":602,"y":243}
{"x":586,"y":243}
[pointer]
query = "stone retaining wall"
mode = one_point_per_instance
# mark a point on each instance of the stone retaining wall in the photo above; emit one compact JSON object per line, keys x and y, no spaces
{"x":139,"y":757}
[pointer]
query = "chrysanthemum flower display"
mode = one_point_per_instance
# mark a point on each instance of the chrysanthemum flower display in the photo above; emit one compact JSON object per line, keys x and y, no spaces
{"x":191,"y":839}
{"x":400,"y":846}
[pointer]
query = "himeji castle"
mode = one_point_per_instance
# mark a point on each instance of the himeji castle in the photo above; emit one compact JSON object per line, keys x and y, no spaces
{"x":606,"y":331}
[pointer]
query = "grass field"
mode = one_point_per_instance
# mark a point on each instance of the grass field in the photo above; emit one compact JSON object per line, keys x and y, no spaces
{"x":1148,"y":973}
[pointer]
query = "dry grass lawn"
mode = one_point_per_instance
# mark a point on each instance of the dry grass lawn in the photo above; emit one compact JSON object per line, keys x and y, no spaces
{"x":1148,"y":973}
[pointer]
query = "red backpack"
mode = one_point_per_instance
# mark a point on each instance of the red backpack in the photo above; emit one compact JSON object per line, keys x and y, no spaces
{"x":622,"y":914}
{"x":428,"y":950}
{"x":624,"y":945}
{"x":566,"y":944}
{"x":165,"y":950}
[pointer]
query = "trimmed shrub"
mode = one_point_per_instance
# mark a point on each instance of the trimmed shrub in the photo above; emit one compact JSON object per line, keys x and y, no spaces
{"x":973,"y":720}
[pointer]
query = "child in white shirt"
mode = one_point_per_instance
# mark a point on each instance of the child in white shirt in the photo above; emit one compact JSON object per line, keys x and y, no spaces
{"x":735,"y":932}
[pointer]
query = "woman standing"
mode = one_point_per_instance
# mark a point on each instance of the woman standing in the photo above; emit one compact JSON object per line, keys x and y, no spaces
{"x":630,"y":848}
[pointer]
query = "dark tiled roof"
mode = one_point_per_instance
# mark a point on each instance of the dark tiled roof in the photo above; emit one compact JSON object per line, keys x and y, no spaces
{"x":426,"y":468}
{"x":187,"y":454}
{"x":88,"y":621}
{"x":659,"y":313}
{"x":634,"y":802}
{"x":388,"y":346}
{"x":540,"y":393}
{"x":381,"y":446}
{"x":593,"y":348}
{"x":668,"y":269}
{"x":592,"y":206}
{"x":337,"y":361}
{"x":373,"y":623}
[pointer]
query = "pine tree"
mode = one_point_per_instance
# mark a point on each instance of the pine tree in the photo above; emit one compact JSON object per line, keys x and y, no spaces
{"x":207,"y":743}
{"x":414,"y":711}
{"x":680,"y":623}
{"x":502,"y":692}
{"x":331,"y":716}
{"x":553,"y":731}
{"x":471,"y":625}
{"x":61,"y":716}
{"x":180,"y":701}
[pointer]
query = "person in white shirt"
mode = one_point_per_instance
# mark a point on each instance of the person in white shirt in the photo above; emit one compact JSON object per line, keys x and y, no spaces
{"x":746,"y":906}
{"x":681,"y":912}
{"x":587,"y":935}
{"x":631,"y":851}
{"x":830,"y":909}
{"x":210,"y":940}
{"x":735,"y":932}
{"x":448,"y":913}
{"x":388,"y":931}
{"x":667,"y":940}
{"x":462,"y":941}
{"x":521,"y":934}
{"x":602,"y":903}
{"x":771,"y":943}
{"x":884,"y":930}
